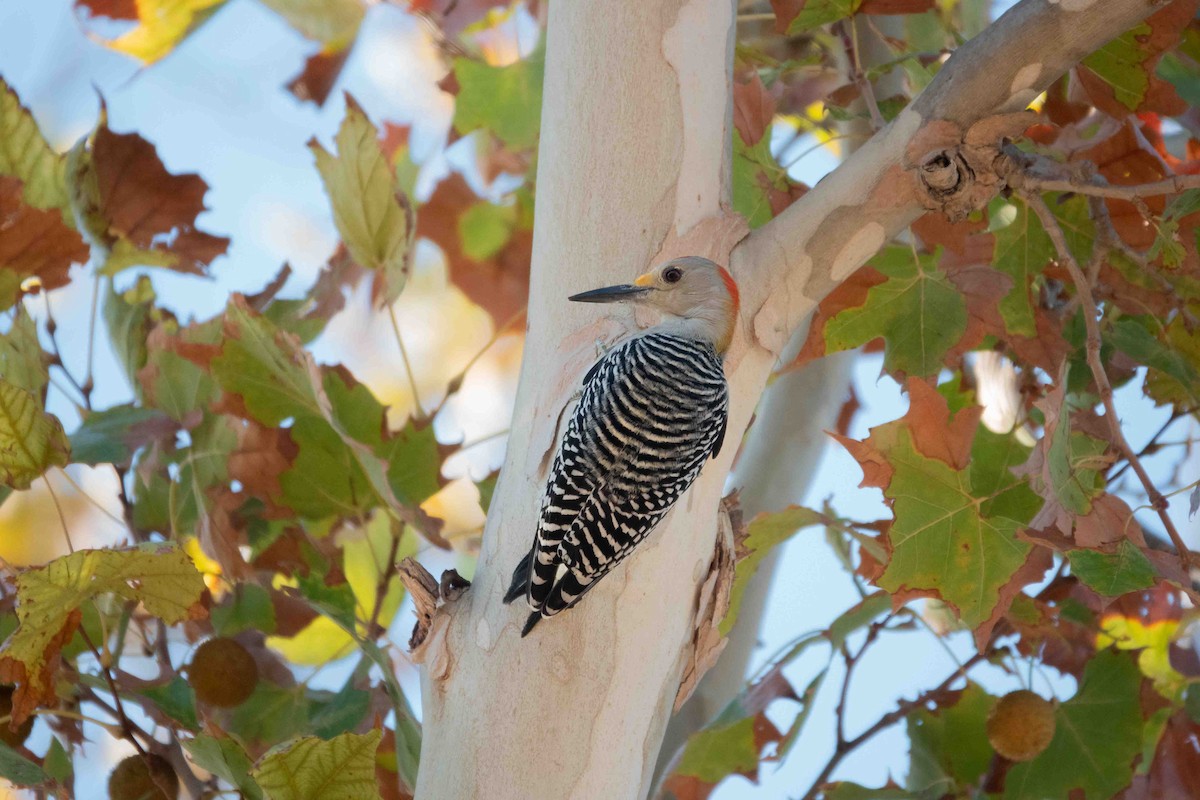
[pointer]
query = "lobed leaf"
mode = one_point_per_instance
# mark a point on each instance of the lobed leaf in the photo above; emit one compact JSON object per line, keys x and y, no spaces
{"x":49,"y":600}
{"x":31,"y":441}
{"x":371,"y":212}
{"x":342,"y":768}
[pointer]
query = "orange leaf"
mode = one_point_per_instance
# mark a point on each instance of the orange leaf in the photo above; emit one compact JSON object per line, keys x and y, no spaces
{"x":35,"y":242}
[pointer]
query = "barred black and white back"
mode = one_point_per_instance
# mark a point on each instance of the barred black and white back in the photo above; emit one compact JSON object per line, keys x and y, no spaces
{"x":653,"y":410}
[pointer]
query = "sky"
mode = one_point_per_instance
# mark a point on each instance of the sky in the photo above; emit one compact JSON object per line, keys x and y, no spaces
{"x":216,"y":106}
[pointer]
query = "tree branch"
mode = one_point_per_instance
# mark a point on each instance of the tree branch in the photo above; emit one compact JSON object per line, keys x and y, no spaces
{"x":822,"y":238}
{"x":902,"y":710}
{"x":1084,"y":288}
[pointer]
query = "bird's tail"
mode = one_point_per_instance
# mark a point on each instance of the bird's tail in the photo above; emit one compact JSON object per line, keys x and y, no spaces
{"x":520,"y":581}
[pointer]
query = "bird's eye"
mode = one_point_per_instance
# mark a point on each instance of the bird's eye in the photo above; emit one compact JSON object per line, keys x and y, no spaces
{"x":672,"y":275}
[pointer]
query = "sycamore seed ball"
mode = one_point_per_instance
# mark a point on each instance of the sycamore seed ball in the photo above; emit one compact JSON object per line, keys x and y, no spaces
{"x":148,"y":777}
{"x":12,"y":738}
{"x":1021,"y":725}
{"x":222,"y":673}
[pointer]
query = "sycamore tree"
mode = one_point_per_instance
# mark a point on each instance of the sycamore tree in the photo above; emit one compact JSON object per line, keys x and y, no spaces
{"x":1014,"y":230}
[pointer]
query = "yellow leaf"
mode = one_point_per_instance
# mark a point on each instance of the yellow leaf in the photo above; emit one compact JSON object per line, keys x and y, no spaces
{"x":50,"y":599}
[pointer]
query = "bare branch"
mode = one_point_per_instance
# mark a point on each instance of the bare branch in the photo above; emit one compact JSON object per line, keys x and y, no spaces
{"x":1084,"y":288}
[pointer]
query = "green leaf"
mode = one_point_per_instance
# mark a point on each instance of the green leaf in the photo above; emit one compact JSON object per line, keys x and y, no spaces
{"x":755,"y":173}
{"x":993,"y":455}
{"x":57,"y":763}
{"x":815,"y":13}
{"x":1074,"y":461}
{"x":949,"y":748}
{"x":372,"y":214}
{"x":1119,"y":64}
{"x":18,"y":769}
{"x":1191,"y":702}
{"x":1098,"y":732}
{"x":129,"y":318}
{"x":857,"y":617}
{"x":941,"y":541}
{"x":917,"y":311}
{"x":1023,"y":249}
{"x":271,"y":714}
{"x":159,"y":576}
{"x":31,"y":441}
{"x":175,"y":699}
{"x":226,"y":759}
{"x":249,"y":607}
{"x":1174,"y":385}
{"x":1132,"y":338}
{"x":25,"y":155}
{"x":22,"y":362}
{"x":507,"y":101}
{"x":112,"y":436}
{"x":342,"y":768}
{"x":485,"y":228}
{"x":845,"y":790}
{"x":1113,"y":574}
{"x":762,"y":534}
{"x":333,"y":23}
{"x":342,"y":713}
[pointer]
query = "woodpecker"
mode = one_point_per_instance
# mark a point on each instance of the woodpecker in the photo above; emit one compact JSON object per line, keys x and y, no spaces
{"x":652,"y":412}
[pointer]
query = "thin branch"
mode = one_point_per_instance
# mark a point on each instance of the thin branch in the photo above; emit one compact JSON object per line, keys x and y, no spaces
{"x":62,"y":518}
{"x":412,"y":379}
{"x":1099,"y":187}
{"x":1152,"y":445}
{"x":849,"y":35}
{"x":85,"y":392}
{"x":902,"y":710}
{"x":1103,"y":385}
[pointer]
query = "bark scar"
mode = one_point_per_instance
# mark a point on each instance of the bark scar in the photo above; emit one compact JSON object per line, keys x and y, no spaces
{"x":959,"y":171}
{"x":713,"y":604}
{"x":430,"y":598}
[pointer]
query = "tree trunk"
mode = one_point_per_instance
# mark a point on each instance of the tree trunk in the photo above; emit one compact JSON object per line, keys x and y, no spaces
{"x":633,"y":167}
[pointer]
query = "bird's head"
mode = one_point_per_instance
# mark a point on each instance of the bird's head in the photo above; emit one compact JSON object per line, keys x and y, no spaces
{"x":696,"y":297}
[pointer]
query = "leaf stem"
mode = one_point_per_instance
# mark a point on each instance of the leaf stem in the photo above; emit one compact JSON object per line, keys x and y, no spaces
{"x":62,"y":518}
{"x":412,"y":379}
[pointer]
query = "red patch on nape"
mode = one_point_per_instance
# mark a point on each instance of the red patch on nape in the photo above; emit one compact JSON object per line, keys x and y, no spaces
{"x":731,"y":286}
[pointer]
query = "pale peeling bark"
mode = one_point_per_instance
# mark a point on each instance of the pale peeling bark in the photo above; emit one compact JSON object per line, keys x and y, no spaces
{"x":633,"y":168}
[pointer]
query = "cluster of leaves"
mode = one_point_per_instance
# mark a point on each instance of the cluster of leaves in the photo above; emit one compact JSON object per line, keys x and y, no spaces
{"x":1018,"y":530}
{"x":266,"y":496}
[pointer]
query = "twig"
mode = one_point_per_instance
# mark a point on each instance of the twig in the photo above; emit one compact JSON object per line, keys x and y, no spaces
{"x":902,"y":710}
{"x":386,"y":572}
{"x":1157,"y":501}
{"x":412,"y":379}
{"x":849,"y":34}
{"x":1099,"y":187}
{"x":118,"y":709}
{"x":62,"y":518}
{"x":88,"y":383}
{"x":56,"y":357}
{"x":1152,"y":444}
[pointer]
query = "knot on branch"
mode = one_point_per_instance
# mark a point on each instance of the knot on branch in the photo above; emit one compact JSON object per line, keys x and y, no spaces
{"x":428,"y":596}
{"x":959,"y":171}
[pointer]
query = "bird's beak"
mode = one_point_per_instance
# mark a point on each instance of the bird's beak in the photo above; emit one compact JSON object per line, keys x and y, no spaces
{"x":612,"y":294}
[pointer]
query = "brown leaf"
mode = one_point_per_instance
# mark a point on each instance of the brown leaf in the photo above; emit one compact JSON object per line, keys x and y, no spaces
{"x":261,"y":456}
{"x":1165,"y":26}
{"x":934,"y":433}
{"x":455,"y":15}
{"x":753,"y":109}
{"x":966,"y":239}
{"x":143,"y":202}
{"x":222,"y":532}
{"x":877,"y":470}
{"x":1060,"y":107}
{"x":320,"y":74}
{"x":1175,"y":771}
{"x":852,"y":293}
{"x":113,"y":9}
{"x":1126,"y":158}
{"x":500,"y":284}
{"x":34,"y":241}
{"x":1032,"y":571}
{"x":1109,"y":522}
{"x":847,"y":412}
